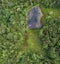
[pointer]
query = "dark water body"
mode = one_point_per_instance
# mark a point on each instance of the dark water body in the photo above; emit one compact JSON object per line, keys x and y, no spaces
{"x":33,"y":21}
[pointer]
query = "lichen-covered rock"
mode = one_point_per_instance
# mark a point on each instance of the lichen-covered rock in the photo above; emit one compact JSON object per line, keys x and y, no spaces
{"x":34,"y":18}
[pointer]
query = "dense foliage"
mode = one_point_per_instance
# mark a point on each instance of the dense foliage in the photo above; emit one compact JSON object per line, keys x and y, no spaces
{"x":46,"y":3}
{"x":13,"y":34}
{"x":50,"y":46}
{"x":12,"y":30}
{"x":51,"y":3}
{"x":49,"y":38}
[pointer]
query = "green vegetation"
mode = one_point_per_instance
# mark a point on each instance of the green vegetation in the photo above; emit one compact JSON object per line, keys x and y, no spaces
{"x":20,"y":45}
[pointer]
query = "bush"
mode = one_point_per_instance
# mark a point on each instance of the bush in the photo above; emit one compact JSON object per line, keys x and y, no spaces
{"x":49,"y":40}
{"x":13,"y":34}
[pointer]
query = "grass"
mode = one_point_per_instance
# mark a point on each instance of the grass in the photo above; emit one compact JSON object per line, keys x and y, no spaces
{"x":33,"y":39}
{"x":46,"y":11}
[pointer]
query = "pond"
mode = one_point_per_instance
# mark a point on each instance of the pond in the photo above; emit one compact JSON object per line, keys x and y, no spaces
{"x":34,"y":18}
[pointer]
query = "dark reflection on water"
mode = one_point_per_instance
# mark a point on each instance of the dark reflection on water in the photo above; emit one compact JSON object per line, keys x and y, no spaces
{"x":33,"y":18}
